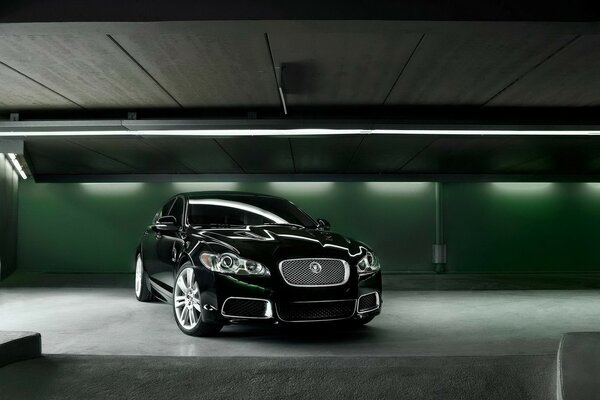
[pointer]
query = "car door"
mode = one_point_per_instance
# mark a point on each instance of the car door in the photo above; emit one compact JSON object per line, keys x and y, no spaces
{"x":150,"y":243}
{"x":169,"y":246}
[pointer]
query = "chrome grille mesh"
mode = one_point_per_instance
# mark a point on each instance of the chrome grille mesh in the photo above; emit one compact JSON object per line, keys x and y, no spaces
{"x":301,"y":271}
{"x":368,"y":302}
{"x":316,"y":311}
{"x":249,"y":308}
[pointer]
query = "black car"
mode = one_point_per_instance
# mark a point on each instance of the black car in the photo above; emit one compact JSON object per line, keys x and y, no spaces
{"x":230,"y":257}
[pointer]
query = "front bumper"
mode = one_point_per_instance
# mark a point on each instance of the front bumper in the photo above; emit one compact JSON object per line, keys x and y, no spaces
{"x":228,"y":299}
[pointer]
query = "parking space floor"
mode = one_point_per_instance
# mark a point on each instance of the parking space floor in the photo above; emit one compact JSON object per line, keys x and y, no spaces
{"x":109,"y":321}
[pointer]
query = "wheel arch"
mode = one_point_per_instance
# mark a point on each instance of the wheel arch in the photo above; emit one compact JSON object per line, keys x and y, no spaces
{"x":185,"y":257}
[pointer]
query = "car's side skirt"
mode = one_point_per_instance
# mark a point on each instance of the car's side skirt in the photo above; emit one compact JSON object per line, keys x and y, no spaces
{"x":161,"y":293}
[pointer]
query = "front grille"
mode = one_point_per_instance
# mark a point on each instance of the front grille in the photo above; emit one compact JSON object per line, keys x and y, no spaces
{"x":245,"y":308}
{"x":367,"y":302}
{"x":315,"y":271}
{"x":315,"y":311}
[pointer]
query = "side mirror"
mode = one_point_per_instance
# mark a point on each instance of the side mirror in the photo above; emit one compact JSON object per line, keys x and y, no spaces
{"x":323,"y":224}
{"x":166,"y":224}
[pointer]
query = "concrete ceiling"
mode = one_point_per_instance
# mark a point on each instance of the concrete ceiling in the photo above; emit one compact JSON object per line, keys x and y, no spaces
{"x":420,"y":63}
{"x":217,"y":66}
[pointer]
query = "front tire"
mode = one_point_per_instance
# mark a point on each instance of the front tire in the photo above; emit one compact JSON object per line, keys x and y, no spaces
{"x":187,"y":306}
{"x":142,"y":291}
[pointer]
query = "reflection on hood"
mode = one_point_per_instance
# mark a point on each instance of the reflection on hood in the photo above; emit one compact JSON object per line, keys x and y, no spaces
{"x":273,"y":237}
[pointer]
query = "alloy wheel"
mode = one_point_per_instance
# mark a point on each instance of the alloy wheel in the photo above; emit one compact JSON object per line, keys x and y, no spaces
{"x":186,"y":299}
{"x":139,"y":273}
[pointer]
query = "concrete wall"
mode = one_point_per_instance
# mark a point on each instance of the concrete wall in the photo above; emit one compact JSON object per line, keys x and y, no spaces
{"x":9,"y":183}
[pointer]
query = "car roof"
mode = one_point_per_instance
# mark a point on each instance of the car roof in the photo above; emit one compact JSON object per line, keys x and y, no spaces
{"x":227,"y":195}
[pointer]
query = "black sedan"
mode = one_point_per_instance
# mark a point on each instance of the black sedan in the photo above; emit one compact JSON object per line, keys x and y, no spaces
{"x":227,"y":257}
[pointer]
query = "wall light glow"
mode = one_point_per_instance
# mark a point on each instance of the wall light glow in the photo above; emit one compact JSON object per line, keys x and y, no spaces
{"x":522,"y":187}
{"x":301,"y":187}
{"x":397,"y":187}
{"x":202,"y":186}
{"x":593,"y":185}
{"x":112,"y":188}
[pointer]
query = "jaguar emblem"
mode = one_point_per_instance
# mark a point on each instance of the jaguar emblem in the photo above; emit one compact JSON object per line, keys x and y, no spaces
{"x":315,"y":267}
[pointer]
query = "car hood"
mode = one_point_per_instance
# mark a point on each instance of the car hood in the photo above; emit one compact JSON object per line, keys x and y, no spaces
{"x":269,"y":242}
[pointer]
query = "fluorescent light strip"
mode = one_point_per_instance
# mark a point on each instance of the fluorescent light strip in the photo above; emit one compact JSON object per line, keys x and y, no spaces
{"x":303,"y":132}
{"x":207,"y":132}
{"x":479,"y":132}
{"x":17,"y":165}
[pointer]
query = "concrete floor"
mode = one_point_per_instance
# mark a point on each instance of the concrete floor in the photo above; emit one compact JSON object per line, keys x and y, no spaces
{"x":105,"y":321}
{"x":69,"y":377}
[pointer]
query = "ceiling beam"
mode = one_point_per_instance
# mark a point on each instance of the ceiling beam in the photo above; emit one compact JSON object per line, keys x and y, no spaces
{"x":182,"y":10}
{"x":282,"y":127}
{"x":396,"y":177}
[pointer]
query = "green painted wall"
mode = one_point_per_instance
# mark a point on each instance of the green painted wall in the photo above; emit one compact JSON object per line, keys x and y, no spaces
{"x":95,"y":227}
{"x":9,"y":183}
{"x":489,"y":227}
{"x":522,"y":227}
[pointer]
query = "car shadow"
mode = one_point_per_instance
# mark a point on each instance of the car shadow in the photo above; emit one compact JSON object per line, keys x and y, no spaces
{"x":303,"y":333}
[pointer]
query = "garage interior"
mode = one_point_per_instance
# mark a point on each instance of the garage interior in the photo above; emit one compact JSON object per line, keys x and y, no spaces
{"x":461,"y":142}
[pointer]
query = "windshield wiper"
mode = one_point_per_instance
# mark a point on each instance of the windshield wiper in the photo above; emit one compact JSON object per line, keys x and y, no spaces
{"x":286,"y":224}
{"x":215,"y":225}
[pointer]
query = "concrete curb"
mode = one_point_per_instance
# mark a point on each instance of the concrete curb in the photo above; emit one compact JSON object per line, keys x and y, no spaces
{"x":18,"y":346}
{"x":578,"y":366}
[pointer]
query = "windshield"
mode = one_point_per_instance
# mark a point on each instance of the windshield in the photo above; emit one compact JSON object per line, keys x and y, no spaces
{"x":246,"y":211}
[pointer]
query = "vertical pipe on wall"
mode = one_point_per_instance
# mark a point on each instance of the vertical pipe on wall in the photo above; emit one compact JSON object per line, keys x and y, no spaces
{"x":439,"y":247}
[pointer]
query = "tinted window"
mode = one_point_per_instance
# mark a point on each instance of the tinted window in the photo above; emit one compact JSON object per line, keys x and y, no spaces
{"x":285,"y":210}
{"x":177,"y":210}
{"x":275,"y":210}
{"x":203,"y":214}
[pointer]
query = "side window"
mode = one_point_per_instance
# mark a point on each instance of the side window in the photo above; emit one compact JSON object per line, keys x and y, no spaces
{"x":177,"y":211}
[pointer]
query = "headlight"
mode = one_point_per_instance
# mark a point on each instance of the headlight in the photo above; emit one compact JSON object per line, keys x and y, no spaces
{"x":229,"y":263}
{"x":368,"y":264}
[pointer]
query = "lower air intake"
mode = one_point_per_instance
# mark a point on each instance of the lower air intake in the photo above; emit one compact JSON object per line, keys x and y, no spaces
{"x":368,"y":302}
{"x":245,"y":308}
{"x":316,"y":311}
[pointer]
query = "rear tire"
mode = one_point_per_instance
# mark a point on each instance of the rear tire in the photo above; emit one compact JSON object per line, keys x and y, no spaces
{"x":142,"y":291}
{"x":187,"y":307}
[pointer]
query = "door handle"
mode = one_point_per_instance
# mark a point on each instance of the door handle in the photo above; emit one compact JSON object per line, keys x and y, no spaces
{"x":173,"y":253}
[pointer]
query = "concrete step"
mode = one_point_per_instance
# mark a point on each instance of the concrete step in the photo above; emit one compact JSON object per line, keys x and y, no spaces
{"x":18,"y":346}
{"x":578,"y":365}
